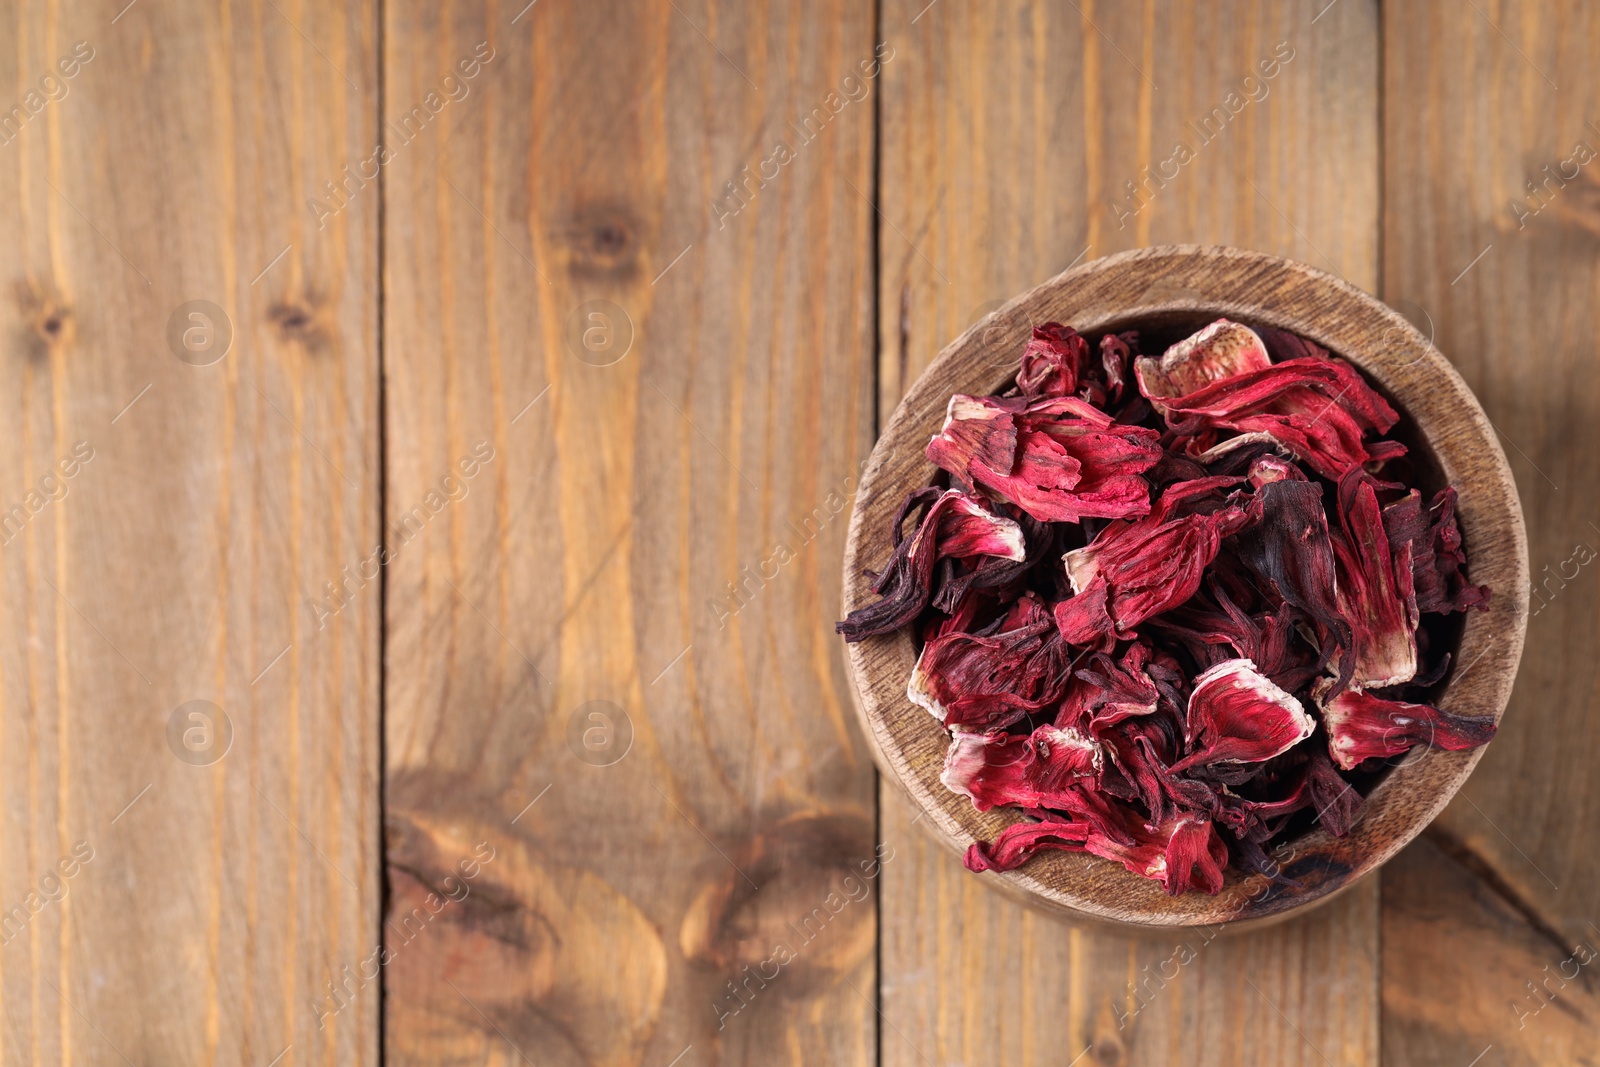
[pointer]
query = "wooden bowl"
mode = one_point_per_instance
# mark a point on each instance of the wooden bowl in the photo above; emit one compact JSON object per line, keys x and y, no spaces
{"x":1177,"y":288}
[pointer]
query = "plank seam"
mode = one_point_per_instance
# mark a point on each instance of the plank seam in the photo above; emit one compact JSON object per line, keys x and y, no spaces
{"x":877,"y":423}
{"x":385,"y":889}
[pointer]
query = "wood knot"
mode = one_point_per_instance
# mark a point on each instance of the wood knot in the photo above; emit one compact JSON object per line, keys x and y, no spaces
{"x":1110,"y":1052}
{"x":1578,"y":204}
{"x":795,"y":915}
{"x":603,"y":242}
{"x":529,"y":944}
{"x":48,"y":321}
{"x":302,"y":323}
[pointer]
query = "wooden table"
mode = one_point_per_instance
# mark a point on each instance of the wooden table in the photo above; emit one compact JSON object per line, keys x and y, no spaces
{"x":418,"y":566}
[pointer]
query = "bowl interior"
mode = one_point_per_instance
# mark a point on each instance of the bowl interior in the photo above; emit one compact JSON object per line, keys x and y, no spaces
{"x":1168,"y":293}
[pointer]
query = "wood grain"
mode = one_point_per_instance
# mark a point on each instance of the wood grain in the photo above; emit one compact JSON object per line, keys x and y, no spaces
{"x":1006,"y":138}
{"x":180,"y":559}
{"x":562,"y":634}
{"x":1466,"y":968}
{"x":1518,"y":323}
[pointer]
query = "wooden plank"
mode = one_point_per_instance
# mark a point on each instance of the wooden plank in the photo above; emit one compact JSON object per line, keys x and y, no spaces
{"x":1008,"y":139}
{"x":667,"y":776}
{"x":1529,"y":994}
{"x":1506,"y":273}
{"x":184,"y":889}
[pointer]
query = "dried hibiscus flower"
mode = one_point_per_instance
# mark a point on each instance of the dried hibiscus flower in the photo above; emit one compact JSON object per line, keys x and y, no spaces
{"x":1169,"y":606}
{"x":1315,"y":407}
{"x":1362,"y":726}
{"x":1374,"y":589}
{"x":1036,"y":771}
{"x":990,"y":680}
{"x":1141,"y":568}
{"x":1059,"y":459}
{"x":955,"y":526}
{"x":1236,"y":715}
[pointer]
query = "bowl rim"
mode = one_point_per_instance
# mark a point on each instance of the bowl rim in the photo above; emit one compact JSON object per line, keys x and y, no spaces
{"x":1262,"y":290}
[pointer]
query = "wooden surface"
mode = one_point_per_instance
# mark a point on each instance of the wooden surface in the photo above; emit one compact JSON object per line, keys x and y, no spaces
{"x":588,"y":559}
{"x":180,"y":561}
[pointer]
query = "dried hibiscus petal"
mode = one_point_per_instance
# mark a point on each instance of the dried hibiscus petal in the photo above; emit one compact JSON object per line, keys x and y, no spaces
{"x":987,"y":681}
{"x":1289,"y":547}
{"x":1218,"y":352}
{"x":1236,"y":715}
{"x":1052,"y":361}
{"x":1267,"y":469}
{"x":1121,"y":691}
{"x":1317,"y":408}
{"x":1115,"y":353}
{"x":1335,"y":800}
{"x":1083,"y":619}
{"x":1449,"y":560}
{"x":1058,"y":459}
{"x":1139,"y":751}
{"x":1374,"y":591}
{"x":1183,"y":853}
{"x":1362,"y":726}
{"x":1434,"y":544}
{"x":1021,"y":841}
{"x":1195,"y":856}
{"x":1258,"y":820}
{"x":1226,"y":631}
{"x":955,"y":526}
{"x":1149,"y":565}
{"x":1036,"y":771}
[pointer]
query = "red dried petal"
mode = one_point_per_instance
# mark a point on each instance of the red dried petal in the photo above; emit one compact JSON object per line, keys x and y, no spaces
{"x":1052,"y":361}
{"x":1120,"y":691}
{"x":1184,"y":853}
{"x":1114,"y":356}
{"x":1289,"y":546}
{"x":1373,"y":590}
{"x":1318,"y":408}
{"x":1362,"y":726}
{"x":991,"y":680}
{"x":1448,"y":556}
{"x":1283,"y":345}
{"x":963,"y":528}
{"x":1258,"y":820}
{"x":1058,"y":459}
{"x":1269,"y":639}
{"x":1267,"y":469}
{"x":1437,"y":560}
{"x":1335,"y":800}
{"x":1236,"y":715}
{"x":1195,"y":856}
{"x":1220,"y":351}
{"x":954,"y":527}
{"x":1037,"y":771}
{"x":1083,"y":619}
{"x":1021,"y":841}
{"x":1152,"y":564}
{"x":1140,"y":750}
